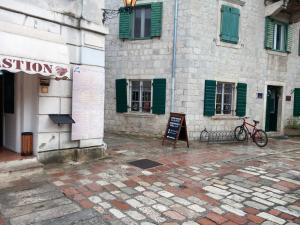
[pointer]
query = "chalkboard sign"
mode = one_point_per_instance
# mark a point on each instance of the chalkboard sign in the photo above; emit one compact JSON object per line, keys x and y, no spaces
{"x":176,"y":129}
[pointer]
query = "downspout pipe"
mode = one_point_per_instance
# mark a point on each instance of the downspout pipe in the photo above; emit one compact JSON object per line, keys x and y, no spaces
{"x":174,"y":59}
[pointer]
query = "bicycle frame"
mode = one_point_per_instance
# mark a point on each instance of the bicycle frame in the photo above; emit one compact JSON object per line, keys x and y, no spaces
{"x":246,"y":125}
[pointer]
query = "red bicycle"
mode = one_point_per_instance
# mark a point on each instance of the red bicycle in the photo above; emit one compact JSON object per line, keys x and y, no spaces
{"x":259,"y":137}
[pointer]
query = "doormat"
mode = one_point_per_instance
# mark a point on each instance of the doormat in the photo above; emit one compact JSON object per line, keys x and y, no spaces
{"x":144,"y":163}
{"x":280,"y":137}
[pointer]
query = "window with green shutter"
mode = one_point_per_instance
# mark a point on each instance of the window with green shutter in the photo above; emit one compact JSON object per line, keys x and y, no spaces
{"x":241,"y":99}
{"x":159,"y":96}
{"x":297,"y":102}
{"x":278,"y":35}
{"x":230,"y":22}
{"x":144,"y":22}
{"x":209,"y":98}
{"x":121,"y":95}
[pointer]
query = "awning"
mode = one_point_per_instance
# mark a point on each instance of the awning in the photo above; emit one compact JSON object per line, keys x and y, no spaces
{"x":33,"y":52}
{"x":14,"y":65}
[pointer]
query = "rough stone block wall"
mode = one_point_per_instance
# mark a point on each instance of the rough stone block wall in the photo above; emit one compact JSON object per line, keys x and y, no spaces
{"x":201,"y":56}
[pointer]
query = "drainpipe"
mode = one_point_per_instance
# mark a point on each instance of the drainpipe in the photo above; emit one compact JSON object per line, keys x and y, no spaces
{"x":174,"y":60}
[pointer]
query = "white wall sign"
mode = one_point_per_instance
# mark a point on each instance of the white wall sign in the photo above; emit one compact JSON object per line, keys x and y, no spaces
{"x":14,"y":65}
{"x":88,"y":102}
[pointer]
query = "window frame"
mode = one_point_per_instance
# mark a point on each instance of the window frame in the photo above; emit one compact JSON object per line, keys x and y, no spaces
{"x":140,"y":95}
{"x":233,"y":100}
{"x":132,"y":32}
{"x":283,"y":36}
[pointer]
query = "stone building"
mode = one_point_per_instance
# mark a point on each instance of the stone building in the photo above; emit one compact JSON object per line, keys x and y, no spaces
{"x":233,"y":58}
{"x":52,"y":77}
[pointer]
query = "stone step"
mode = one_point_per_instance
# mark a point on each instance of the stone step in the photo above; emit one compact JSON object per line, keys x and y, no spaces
{"x":20,"y":167}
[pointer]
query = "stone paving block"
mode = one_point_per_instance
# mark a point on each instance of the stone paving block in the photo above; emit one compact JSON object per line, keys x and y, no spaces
{"x":232,"y":203}
{"x":239,"y":188}
{"x":271,"y":218}
{"x":262,"y":201}
{"x":174,"y":215}
{"x":190,"y":223}
{"x":128,"y":221}
{"x":233,"y":210}
{"x":106,"y":196}
{"x":45,"y":214}
{"x":276,"y":191}
{"x":134,"y":203}
{"x":165,"y":201}
{"x":166,"y":194}
{"x":140,"y":189}
{"x":214,"y":196}
{"x":135,"y":215}
{"x":196,"y":200}
{"x":236,"y":198}
{"x":105,"y":205}
{"x":145,"y":200}
{"x":292,"y":212}
{"x":128,"y":190}
{"x":181,"y":201}
{"x":95,"y":199}
{"x":150,"y":194}
{"x":117,"y":213}
{"x":160,"y":207}
{"x":197,"y":208}
{"x":152,"y":214}
{"x":277,"y":201}
{"x":217,"y":191}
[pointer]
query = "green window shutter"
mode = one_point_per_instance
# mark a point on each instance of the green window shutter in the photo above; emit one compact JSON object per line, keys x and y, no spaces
{"x":241,"y":99}
{"x":156,"y":19}
{"x":230,"y":22}
{"x":124,"y":24}
{"x":210,"y":98}
{"x":121,"y":95}
{"x":269,"y":33}
{"x":289,"y":39}
{"x":159,"y":96}
{"x":297,"y":102}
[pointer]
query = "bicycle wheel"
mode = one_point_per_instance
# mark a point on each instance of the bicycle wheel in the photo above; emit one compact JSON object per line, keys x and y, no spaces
{"x":260,"y":138}
{"x":240,"y":133}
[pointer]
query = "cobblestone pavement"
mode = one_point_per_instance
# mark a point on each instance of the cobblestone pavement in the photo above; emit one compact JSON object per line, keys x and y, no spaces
{"x":208,"y":184}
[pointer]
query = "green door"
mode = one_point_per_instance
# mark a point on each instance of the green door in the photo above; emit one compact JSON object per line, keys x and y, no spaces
{"x":272,"y":108}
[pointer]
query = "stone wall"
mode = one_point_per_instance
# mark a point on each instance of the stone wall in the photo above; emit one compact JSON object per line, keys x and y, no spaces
{"x":201,"y":56}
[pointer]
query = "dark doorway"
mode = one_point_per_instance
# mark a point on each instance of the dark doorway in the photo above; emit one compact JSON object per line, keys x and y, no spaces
{"x":273,"y":96}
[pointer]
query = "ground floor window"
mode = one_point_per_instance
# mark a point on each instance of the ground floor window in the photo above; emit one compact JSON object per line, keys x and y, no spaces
{"x":224,"y":98}
{"x":140,"y":95}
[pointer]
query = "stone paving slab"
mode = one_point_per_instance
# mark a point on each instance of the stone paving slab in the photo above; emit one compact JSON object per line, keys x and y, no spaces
{"x":215,"y":184}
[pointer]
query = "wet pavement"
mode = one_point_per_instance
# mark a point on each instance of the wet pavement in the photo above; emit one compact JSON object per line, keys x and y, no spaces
{"x":206,"y":184}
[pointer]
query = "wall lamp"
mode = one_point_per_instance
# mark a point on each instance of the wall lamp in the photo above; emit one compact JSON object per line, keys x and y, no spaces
{"x":111,"y":13}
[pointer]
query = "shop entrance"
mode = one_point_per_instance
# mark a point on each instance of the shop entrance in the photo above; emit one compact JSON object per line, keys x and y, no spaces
{"x":273,"y":112}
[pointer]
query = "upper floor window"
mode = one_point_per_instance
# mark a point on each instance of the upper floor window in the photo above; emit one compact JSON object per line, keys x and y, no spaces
{"x":144,"y":22}
{"x":278,"y":36}
{"x":230,"y":23}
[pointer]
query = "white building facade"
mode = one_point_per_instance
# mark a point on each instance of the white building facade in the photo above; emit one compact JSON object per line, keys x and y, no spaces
{"x":52,"y":64}
{"x":234,"y":58}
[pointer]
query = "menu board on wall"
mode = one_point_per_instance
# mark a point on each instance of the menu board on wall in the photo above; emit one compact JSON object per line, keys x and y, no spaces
{"x":88,"y":103}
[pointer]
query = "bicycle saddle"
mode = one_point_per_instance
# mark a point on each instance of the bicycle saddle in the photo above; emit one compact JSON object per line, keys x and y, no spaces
{"x":256,"y":122}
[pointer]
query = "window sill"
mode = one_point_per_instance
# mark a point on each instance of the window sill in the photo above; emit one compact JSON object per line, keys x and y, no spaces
{"x":139,"y":114}
{"x":275,"y":52}
{"x":225,"y":117}
{"x":220,"y":43}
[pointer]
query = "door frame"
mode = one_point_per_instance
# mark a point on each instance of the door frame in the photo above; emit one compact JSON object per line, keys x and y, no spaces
{"x":281,"y":111}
